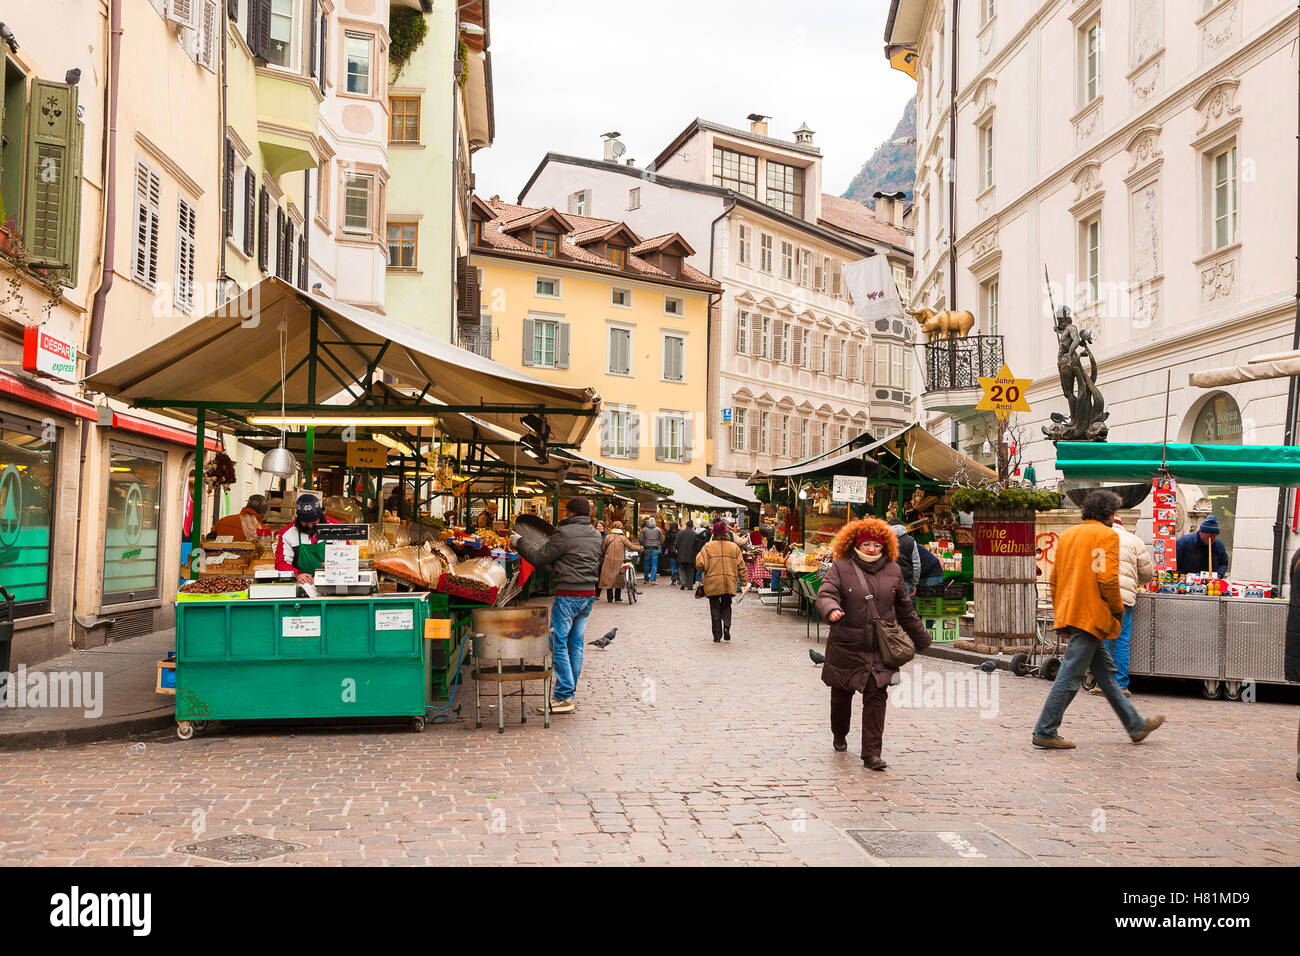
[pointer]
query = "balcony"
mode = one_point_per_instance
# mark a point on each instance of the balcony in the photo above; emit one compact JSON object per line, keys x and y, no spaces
{"x":477,"y":339}
{"x":288,"y":121}
{"x":953,"y":368}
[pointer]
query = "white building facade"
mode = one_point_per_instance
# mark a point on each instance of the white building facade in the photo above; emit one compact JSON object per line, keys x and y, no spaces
{"x":792,"y":370}
{"x":1144,"y":152}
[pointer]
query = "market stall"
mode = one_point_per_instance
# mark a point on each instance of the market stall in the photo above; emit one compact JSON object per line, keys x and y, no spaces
{"x":1221,"y":631}
{"x":905,"y":478}
{"x":281,"y":362}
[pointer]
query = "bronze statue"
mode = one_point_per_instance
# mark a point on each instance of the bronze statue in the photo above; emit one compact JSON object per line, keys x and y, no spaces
{"x":1086,"y":421}
{"x":942,"y":325}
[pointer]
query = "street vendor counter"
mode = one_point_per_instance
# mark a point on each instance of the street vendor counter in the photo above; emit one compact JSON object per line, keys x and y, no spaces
{"x":1216,"y":640}
{"x":301,"y":658}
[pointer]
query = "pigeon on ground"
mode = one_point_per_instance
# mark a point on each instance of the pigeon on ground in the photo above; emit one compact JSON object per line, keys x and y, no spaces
{"x":989,"y":667}
{"x":816,"y":658}
{"x":603,"y":642}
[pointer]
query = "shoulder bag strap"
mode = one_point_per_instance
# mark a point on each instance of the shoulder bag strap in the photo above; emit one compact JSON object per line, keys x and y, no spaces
{"x":862,"y":579}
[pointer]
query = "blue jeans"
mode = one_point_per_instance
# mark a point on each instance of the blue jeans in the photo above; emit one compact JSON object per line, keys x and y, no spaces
{"x":650,"y":564}
{"x":672,"y":567}
{"x":1084,"y":651}
{"x":1121,"y":648}
{"x":568,"y":625}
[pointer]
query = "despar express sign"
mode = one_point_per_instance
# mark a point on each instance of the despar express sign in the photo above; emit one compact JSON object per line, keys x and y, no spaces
{"x":48,"y":355}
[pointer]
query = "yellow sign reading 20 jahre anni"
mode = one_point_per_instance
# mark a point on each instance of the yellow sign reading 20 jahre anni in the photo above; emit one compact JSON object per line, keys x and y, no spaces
{"x":1004,"y":393}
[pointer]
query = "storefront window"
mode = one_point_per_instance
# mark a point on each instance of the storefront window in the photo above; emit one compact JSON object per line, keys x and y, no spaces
{"x":1219,"y":423}
{"x":133,"y":519}
{"x":27,"y":459}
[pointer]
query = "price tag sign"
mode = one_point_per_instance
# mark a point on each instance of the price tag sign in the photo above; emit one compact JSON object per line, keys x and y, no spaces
{"x":341,"y":564}
{"x":367,"y":454}
{"x":300,"y":627}
{"x":394,"y":619}
{"x":1004,"y":393}
{"x":846,"y":488}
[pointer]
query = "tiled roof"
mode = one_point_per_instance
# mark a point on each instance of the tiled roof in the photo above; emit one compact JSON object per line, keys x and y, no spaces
{"x":584,"y":227}
{"x":849,"y":215}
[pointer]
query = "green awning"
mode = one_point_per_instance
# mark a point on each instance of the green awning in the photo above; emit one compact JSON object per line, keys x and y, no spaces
{"x":1273,"y":466}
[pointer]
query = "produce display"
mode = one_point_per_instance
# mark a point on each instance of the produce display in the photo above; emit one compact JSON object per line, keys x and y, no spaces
{"x":219,"y":585}
{"x":415,"y":566}
{"x":478,"y":579}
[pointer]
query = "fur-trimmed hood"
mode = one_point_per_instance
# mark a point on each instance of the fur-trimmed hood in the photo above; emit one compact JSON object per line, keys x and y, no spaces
{"x":842,"y":544}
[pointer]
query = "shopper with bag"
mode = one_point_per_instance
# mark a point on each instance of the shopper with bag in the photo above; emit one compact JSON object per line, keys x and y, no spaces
{"x":723,"y":566}
{"x":872,"y":623}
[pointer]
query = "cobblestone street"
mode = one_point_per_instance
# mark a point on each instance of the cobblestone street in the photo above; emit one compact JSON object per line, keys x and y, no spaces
{"x":683,"y":751}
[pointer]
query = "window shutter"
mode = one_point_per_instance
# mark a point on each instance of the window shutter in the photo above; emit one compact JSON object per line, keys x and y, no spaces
{"x":302,"y":263}
{"x":797,"y":357}
{"x":561,"y":344}
{"x":144,"y":261}
{"x":312,"y":51}
{"x":633,"y":433}
{"x":263,"y":230}
{"x":259,"y":28}
{"x":51,"y":140}
{"x":277,"y":268}
{"x":250,"y":209}
{"x":184,"y":12}
{"x":232,"y":9}
{"x":209,"y":35}
{"x":661,"y":438}
{"x":688,"y":436}
{"x":324,"y":50}
{"x":753,"y":434}
{"x":70,"y":236}
{"x":819,"y":275}
{"x":183,"y":294}
{"x":756,"y":337}
{"x":606,"y":427}
{"x":228,"y":192}
{"x":529,"y":333}
{"x":625,"y":352}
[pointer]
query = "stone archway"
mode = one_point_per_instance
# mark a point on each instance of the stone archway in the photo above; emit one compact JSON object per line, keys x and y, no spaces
{"x":1216,"y":420}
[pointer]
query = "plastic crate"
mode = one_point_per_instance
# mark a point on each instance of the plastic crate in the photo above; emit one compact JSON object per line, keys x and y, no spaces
{"x":929,"y":607}
{"x":945,"y":635}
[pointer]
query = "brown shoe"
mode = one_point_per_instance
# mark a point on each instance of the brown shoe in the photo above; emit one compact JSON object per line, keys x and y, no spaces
{"x":1127,"y":692}
{"x":1151,"y":724}
{"x":1094,"y":690}
{"x":874,"y":763}
{"x":1054,"y":743}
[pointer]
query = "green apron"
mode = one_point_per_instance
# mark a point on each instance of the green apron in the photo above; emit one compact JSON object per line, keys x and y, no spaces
{"x":310,"y":558}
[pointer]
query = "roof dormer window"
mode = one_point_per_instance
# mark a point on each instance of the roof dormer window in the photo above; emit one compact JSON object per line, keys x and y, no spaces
{"x":545,"y":243}
{"x":785,"y":188}
{"x":616,"y":255}
{"x":736,"y":171}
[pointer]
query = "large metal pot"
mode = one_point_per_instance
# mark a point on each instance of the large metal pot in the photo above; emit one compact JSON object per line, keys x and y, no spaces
{"x":511,"y":633}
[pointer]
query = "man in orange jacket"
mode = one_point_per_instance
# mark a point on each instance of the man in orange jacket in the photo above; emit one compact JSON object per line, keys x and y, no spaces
{"x":1086,"y":603}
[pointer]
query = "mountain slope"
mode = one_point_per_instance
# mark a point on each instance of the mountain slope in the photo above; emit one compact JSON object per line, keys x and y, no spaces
{"x":891,"y":168}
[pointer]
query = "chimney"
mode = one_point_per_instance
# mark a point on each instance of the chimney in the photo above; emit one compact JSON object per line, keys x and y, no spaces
{"x":757,"y":124}
{"x":613,"y":148}
{"x":803,"y":135}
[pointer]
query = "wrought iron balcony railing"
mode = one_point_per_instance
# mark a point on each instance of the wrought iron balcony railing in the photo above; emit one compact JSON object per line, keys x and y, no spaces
{"x":958,"y":363}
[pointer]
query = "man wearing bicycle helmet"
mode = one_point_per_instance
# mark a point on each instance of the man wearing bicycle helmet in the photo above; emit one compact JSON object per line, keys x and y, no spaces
{"x":289,"y":554}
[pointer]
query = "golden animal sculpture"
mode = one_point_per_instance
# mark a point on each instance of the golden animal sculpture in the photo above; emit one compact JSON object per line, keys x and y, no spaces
{"x":942,"y":325}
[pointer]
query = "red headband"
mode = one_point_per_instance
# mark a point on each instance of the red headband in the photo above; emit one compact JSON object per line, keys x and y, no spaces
{"x":866,"y":536}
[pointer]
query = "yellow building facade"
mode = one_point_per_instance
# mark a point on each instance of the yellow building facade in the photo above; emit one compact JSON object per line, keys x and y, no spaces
{"x":584,"y":302}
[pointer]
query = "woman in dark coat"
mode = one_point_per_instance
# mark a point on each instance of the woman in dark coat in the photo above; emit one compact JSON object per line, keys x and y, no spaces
{"x":863,"y":583}
{"x":1292,"y":658}
{"x":670,"y":549}
{"x":688,"y":545}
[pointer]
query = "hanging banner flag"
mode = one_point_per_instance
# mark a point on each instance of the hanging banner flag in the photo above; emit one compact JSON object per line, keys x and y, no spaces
{"x":871,"y":286}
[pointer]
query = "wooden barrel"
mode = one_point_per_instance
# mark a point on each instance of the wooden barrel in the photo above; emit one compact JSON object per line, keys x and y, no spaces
{"x":1006,"y":575}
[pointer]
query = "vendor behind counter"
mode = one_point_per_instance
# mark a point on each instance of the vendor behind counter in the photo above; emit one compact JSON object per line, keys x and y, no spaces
{"x":291,"y":551}
{"x":245,"y":525}
{"x":1193,"y":551}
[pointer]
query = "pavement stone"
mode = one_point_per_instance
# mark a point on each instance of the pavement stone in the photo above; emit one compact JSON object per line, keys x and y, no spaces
{"x":683,"y":752}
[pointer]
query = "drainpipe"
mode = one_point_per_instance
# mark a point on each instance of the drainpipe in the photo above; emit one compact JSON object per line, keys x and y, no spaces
{"x":108,"y":246}
{"x":1292,"y":392}
{"x":708,"y":325}
{"x":952,"y":170}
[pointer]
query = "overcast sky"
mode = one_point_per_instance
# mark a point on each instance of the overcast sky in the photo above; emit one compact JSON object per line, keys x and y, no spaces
{"x":566,"y":71}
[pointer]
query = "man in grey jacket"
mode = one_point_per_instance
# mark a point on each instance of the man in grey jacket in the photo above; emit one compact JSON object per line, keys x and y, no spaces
{"x":574,"y":554}
{"x":651,"y":540}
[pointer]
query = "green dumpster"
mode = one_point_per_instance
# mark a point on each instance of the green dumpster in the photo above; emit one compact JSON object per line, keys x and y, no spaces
{"x":334,"y":657}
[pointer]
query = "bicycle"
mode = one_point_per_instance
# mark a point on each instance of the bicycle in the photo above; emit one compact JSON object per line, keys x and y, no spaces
{"x":629,"y":581}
